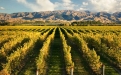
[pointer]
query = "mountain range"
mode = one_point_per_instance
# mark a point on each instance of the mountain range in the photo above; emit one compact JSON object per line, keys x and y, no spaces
{"x":69,"y":15}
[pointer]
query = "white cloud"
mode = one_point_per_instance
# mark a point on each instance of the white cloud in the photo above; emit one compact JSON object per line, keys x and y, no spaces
{"x":105,"y":5}
{"x":85,"y":3}
{"x":41,"y":5}
{"x":47,"y":5}
{"x":67,"y":1}
{"x":2,"y":8}
{"x":82,"y":9}
{"x":119,"y":3}
{"x":65,"y":4}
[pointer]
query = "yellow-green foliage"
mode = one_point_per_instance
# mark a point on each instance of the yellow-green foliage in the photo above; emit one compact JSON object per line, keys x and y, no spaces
{"x":41,"y":59}
{"x":67,"y":55}
{"x":89,"y":39}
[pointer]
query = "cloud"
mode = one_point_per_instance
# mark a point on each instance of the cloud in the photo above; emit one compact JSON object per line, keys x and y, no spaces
{"x":40,"y":5}
{"x":67,"y":4}
{"x":82,"y":8}
{"x":47,"y":5}
{"x":105,"y":5}
{"x":2,"y":8}
{"x":85,"y":3}
{"x":67,"y":1}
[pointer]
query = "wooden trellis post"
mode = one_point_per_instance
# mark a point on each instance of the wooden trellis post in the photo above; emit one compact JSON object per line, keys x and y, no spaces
{"x":103,"y":69}
{"x":37,"y":73}
{"x":72,"y":70}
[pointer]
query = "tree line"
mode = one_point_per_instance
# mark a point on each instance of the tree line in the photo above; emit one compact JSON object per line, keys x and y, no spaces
{"x":93,"y":23}
{"x":48,"y":23}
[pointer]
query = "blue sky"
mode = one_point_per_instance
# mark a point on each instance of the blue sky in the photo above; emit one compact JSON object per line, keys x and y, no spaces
{"x":12,"y":6}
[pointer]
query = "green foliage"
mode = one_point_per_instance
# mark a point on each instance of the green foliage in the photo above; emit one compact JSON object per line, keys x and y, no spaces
{"x":90,"y":55}
{"x":41,"y":59}
{"x":91,"y":41}
{"x":86,"y":23}
{"x":67,"y":55}
{"x":18,"y":56}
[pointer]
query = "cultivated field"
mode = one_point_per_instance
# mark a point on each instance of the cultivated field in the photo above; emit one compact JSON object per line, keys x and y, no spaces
{"x":52,"y":50}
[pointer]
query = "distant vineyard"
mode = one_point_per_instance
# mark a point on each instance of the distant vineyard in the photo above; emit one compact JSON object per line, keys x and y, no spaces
{"x":51,"y":50}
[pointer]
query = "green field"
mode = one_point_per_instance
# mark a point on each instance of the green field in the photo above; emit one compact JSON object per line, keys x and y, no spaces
{"x":56,"y":50}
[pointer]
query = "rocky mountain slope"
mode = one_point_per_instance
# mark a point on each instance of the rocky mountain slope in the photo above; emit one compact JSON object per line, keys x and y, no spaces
{"x":64,"y":15}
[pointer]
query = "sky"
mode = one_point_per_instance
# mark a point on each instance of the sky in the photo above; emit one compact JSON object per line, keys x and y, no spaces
{"x":13,"y":6}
